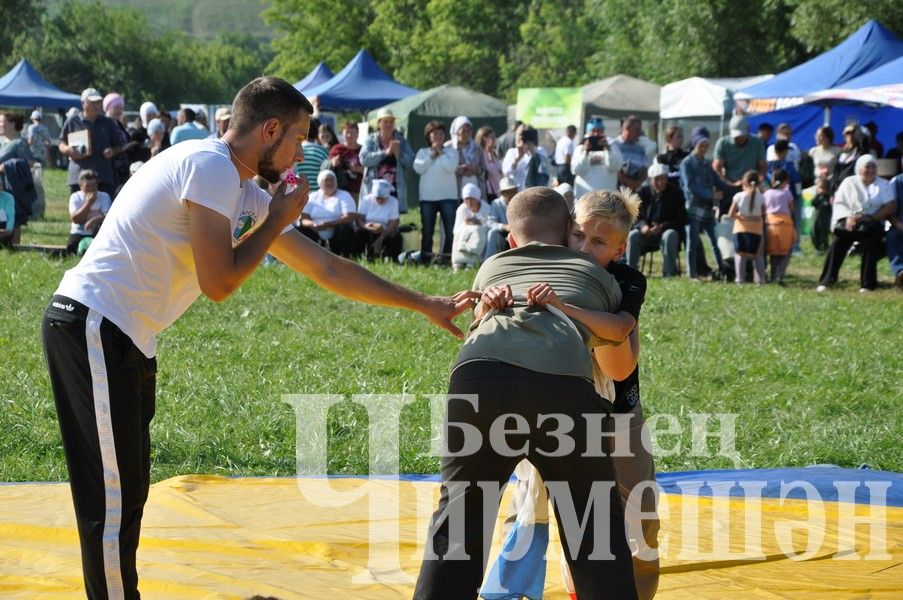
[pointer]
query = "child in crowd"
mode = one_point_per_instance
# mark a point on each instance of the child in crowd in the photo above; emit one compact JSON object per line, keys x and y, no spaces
{"x":601,"y":224}
{"x":748,"y":212}
{"x":781,"y":161}
{"x":497,"y":237}
{"x":780,"y":233}
{"x":87,"y":209}
{"x":471,"y":229}
{"x":821,"y":221}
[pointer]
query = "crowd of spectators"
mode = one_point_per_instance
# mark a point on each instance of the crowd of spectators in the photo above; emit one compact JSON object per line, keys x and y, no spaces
{"x":746,"y":200}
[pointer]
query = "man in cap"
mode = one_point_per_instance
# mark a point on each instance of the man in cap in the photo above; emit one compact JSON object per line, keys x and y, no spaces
{"x":38,"y":137}
{"x":497,"y":240}
{"x":221,"y":117}
{"x":701,"y":188}
{"x":662,"y":217}
{"x":95,"y":149}
{"x":385,"y":155}
{"x":735,"y":154}
{"x":595,"y":163}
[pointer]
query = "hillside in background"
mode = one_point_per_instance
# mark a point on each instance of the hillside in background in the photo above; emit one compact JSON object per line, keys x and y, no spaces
{"x":203,"y":19}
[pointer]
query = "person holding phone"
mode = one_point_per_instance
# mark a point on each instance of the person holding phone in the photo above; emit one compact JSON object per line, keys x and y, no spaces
{"x":518,"y":160}
{"x":595,"y":163}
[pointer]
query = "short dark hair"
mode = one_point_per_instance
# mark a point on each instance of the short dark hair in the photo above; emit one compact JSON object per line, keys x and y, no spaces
{"x":17,"y":119}
{"x":828,"y":132}
{"x":571,"y":129}
{"x":190,"y":115}
{"x":766,"y":125}
{"x":781,"y":146}
{"x":631,"y":120}
{"x":539,"y":214}
{"x":314,"y":130}
{"x":431,"y":127}
{"x":266,"y":98}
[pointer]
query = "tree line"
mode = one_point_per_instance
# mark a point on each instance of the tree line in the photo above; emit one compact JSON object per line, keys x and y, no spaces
{"x":493,"y":47}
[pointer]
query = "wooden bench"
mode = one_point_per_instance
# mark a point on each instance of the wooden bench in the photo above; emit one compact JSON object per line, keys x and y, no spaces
{"x":51,"y":250}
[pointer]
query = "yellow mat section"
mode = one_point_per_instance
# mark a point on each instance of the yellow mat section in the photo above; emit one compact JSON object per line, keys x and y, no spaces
{"x":210,"y":538}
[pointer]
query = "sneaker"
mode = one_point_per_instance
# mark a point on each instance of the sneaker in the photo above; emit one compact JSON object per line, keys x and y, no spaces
{"x":821,"y":288}
{"x":865,"y":291}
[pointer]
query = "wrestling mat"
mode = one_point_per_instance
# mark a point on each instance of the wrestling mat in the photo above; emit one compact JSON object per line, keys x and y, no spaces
{"x":817,"y":532}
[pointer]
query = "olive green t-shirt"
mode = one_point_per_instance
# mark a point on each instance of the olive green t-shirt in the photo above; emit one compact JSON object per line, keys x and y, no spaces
{"x":533,"y":337}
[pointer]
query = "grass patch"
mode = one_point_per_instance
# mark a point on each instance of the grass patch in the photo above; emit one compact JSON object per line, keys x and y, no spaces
{"x":813,"y":378}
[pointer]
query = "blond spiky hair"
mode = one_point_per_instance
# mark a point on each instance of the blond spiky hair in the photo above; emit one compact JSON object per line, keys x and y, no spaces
{"x":621,"y":208}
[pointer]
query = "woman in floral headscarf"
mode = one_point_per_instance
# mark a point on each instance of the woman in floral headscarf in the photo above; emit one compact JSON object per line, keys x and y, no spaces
{"x":471,"y":166}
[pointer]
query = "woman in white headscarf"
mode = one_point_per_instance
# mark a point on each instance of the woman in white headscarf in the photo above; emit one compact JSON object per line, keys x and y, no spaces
{"x":471,"y":165}
{"x":148,"y":112}
{"x":862,"y":203}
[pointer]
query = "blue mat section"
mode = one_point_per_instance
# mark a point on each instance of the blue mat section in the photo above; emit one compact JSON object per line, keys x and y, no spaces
{"x":827,"y":481}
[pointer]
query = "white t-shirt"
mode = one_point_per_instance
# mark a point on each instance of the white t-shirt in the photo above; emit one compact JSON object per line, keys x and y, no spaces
{"x":563,"y":147}
{"x":793,"y":154}
{"x":322,"y":209}
{"x":374,"y":212}
{"x":139,"y":272}
{"x":77,"y":200}
{"x":517,"y":168}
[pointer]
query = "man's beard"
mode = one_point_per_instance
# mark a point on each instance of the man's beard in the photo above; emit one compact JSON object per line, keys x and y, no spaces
{"x":265,"y":166}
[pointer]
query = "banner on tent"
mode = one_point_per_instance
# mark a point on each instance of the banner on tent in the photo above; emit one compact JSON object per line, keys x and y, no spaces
{"x":549,"y":108}
{"x":764,"y":105}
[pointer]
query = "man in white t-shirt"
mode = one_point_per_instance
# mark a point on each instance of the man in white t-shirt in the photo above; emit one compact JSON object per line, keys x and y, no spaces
{"x":564,"y":149}
{"x":189,"y":222}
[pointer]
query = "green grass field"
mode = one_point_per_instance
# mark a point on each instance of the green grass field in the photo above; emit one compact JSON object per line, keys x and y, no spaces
{"x":813,"y":378}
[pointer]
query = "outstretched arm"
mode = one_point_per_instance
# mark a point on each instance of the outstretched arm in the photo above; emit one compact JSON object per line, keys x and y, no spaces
{"x":353,"y":281}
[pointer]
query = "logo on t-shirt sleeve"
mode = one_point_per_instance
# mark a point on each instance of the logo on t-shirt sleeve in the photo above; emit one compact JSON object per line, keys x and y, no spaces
{"x":244,"y":225}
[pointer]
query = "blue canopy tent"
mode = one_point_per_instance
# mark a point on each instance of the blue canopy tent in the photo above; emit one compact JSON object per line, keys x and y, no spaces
{"x":319,"y":74}
{"x":24,"y":86}
{"x":781,"y":99}
{"x":866,"y":49}
{"x":362,"y":85}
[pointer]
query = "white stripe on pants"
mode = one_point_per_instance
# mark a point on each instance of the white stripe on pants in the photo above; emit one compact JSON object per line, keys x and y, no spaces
{"x":111,"y":482}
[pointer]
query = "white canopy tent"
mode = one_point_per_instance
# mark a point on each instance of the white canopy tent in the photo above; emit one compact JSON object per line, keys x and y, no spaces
{"x":702,"y":101}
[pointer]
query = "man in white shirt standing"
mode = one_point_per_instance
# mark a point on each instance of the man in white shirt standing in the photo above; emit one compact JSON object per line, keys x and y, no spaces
{"x":564,"y":150}
{"x":187,"y":223}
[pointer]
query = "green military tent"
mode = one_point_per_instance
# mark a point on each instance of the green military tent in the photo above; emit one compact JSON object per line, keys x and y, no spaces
{"x":442,"y":103}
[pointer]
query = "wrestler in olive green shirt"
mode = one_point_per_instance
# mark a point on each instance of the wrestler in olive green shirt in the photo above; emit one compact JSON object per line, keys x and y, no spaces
{"x":533,"y":337}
